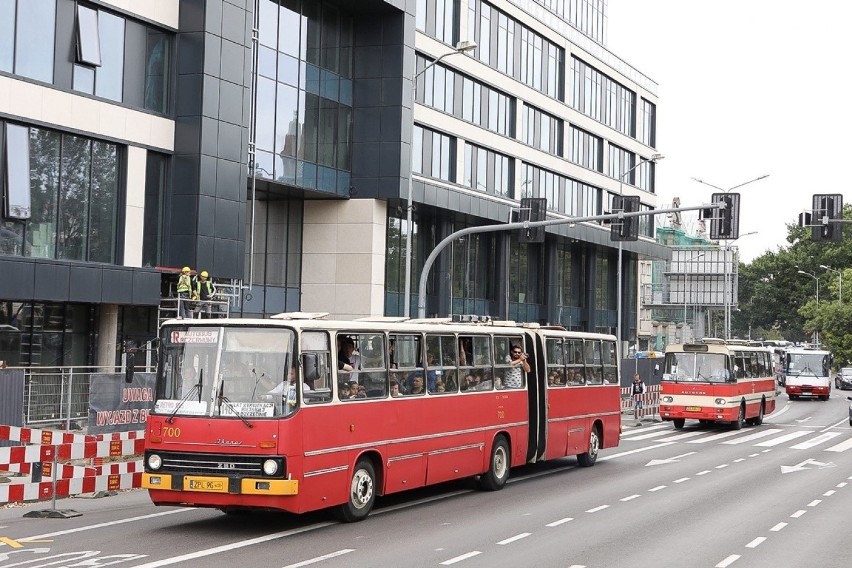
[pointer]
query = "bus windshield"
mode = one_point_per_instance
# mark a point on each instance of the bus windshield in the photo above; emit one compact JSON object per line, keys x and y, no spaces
{"x":233,"y":371}
{"x":808,"y":364}
{"x":696,"y":367}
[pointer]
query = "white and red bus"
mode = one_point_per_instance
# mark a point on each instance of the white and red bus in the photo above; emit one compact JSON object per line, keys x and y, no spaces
{"x":230,"y":431}
{"x":807,"y":372}
{"x":714,"y":380}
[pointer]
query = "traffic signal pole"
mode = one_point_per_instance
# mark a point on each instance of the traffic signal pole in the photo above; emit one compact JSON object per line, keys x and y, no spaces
{"x":620,"y":216}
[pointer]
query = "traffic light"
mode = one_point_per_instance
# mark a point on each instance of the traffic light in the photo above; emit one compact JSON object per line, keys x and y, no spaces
{"x":825,"y":208}
{"x":626,"y":229}
{"x":804,"y":219}
{"x":533,"y":209}
{"x":725,"y":224}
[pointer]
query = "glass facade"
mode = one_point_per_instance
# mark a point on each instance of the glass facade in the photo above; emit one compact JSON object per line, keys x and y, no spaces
{"x":488,"y":171}
{"x":599,"y":97}
{"x":586,"y":149}
{"x":27,"y":38}
{"x":434,"y":154}
{"x":74,"y":194}
{"x":304,"y":95}
{"x":543,"y":131}
{"x":588,"y":16}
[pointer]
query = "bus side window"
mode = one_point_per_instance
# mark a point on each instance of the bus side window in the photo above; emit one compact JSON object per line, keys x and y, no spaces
{"x":316,"y":367}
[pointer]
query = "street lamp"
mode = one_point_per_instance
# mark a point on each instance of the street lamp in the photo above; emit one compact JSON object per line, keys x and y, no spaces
{"x":461,"y":47}
{"x":653,"y":159}
{"x":840,"y":276}
{"x":816,"y":278}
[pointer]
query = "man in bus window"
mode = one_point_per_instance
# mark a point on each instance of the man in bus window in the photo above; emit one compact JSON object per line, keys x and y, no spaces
{"x":514,"y":378}
{"x":347,"y":360}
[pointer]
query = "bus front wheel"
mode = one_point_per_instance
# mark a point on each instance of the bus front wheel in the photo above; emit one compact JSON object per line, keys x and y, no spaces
{"x":362,"y":493}
{"x":498,"y":469}
{"x":589,"y":458}
{"x":679,"y":422}
{"x":738,"y":423}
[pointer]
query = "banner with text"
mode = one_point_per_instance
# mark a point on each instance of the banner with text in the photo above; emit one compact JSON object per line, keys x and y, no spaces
{"x":117,"y":406}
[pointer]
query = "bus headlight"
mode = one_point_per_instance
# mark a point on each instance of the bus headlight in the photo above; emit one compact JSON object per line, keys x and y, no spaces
{"x":720,"y":402}
{"x":270,"y":467}
{"x":668,"y":399}
{"x":155,"y":462}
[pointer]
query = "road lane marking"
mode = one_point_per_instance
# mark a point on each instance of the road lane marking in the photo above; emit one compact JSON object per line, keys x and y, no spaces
{"x":560,"y":522}
{"x":756,"y":542}
{"x":657,"y":488}
{"x":822,"y":438}
{"x":599,"y":508}
{"x":829,"y":493}
{"x":778,"y":527}
{"x":722,"y":466}
{"x":681,"y":480}
{"x":841,"y":447}
{"x":636,"y":451}
{"x":460,"y":558}
{"x":630,"y":498}
{"x":714,"y":437}
{"x":782,"y":439}
{"x":705,"y":472}
{"x":815,"y":502}
{"x":683,"y":436}
{"x":798,"y":514}
{"x":755,"y":436}
{"x":321,"y":558}
{"x":728,"y":561}
{"x":512,"y":539}
{"x":109,"y":524}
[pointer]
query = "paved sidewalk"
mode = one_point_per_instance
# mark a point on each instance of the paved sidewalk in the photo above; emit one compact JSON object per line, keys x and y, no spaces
{"x":628,"y":422}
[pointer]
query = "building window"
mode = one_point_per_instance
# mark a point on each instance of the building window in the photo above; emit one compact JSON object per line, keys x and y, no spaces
{"x":74,"y":197}
{"x":27,"y":36}
{"x":488,"y":171}
{"x":156,"y":175}
{"x":472,"y":276}
{"x":17,"y":180}
{"x":434,"y":154}
{"x":599,"y":97}
{"x":88,"y":42}
{"x":621,"y":163}
{"x":157,"y":66}
{"x":648,"y":123}
{"x":543,"y":131}
{"x":586,"y":149}
{"x":438,"y":19}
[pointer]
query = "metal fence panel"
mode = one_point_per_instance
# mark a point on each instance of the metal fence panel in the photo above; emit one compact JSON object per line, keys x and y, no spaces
{"x":11,"y":399}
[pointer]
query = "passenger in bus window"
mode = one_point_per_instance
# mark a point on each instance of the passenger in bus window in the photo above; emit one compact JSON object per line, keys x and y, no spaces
{"x":552,"y":377}
{"x":394,"y":388}
{"x":416,"y":384}
{"x":347,"y":359}
{"x":514,"y":378}
{"x":465,"y":351}
{"x":470,"y":382}
{"x":344,"y":391}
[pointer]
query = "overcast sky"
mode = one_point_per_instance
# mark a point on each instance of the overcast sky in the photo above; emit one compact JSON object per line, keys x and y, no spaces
{"x":746,"y":88}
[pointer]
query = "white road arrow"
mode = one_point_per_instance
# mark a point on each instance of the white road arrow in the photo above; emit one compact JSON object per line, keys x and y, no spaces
{"x":669,"y":460}
{"x":805,"y":465}
{"x":804,"y":419}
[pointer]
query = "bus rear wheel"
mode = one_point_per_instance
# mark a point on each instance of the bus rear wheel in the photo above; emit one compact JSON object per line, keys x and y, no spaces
{"x":362,"y":493}
{"x":589,"y":458}
{"x":757,"y":420}
{"x":679,"y":422}
{"x":498,"y":469}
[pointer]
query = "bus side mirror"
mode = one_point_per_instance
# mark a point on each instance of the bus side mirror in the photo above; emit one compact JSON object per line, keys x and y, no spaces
{"x":310,"y":366}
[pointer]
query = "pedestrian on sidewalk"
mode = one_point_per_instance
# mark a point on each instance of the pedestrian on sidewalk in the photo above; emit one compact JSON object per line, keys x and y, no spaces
{"x":638,"y":391}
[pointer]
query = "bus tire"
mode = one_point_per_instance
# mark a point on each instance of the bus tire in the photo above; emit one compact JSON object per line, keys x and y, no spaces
{"x":498,"y":466}
{"x":679,"y":422}
{"x":738,"y":423}
{"x":589,"y":458}
{"x":361,"y":493}
{"x":757,"y":420}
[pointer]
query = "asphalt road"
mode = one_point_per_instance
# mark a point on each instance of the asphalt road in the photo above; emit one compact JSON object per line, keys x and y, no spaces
{"x":767,"y":496}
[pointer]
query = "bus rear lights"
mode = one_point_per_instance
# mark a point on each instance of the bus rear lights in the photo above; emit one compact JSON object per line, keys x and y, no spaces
{"x":270,"y":467}
{"x":155,"y":462}
{"x":262,"y":485}
{"x":267,"y":445}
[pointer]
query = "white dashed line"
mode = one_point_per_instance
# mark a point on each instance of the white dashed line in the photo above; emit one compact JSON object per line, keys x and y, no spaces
{"x":560,"y":522}
{"x":739,"y":460}
{"x":460,"y":558}
{"x":705,"y":472}
{"x":512,"y":539}
{"x":815,"y":502}
{"x":798,"y":514}
{"x":596,"y":509}
{"x":778,"y":527}
{"x":756,"y":542}
{"x":723,"y":466}
{"x":657,"y":488}
{"x":728,"y":561}
{"x":321,"y":558}
{"x":681,"y":480}
{"x":841,"y":484}
{"x":630,"y":498}
{"x":829,"y":493}
{"x":754,"y":436}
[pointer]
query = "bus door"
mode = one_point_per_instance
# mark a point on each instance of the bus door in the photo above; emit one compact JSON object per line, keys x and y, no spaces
{"x":537,"y":398}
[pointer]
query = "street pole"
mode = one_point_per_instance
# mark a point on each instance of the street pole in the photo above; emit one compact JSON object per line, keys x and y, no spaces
{"x":461,"y":47}
{"x":619,"y":284}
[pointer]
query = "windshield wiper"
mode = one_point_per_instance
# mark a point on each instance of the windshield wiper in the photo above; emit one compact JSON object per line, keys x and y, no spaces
{"x":256,"y":381}
{"x":220,"y":398}
{"x":197,"y":386}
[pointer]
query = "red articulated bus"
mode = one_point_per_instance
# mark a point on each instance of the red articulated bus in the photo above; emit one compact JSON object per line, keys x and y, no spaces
{"x":297,"y":413}
{"x":715,"y":380}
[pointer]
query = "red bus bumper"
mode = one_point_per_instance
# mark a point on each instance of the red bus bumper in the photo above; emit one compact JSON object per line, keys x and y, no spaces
{"x":807,"y":390}
{"x":671,"y":412}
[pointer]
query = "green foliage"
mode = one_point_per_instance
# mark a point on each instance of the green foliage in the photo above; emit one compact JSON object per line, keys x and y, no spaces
{"x":776,"y":301}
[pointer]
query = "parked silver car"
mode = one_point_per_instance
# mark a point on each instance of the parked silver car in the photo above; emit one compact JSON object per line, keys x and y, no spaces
{"x":843,"y":380}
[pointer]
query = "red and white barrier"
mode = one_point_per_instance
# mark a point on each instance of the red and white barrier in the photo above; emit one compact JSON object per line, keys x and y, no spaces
{"x":48,"y":447}
{"x":650,"y":400}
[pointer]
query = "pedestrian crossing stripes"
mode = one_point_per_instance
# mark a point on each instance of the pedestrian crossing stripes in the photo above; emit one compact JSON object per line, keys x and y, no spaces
{"x":763,"y":437}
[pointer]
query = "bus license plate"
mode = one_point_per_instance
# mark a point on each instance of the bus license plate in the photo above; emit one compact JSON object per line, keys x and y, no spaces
{"x":205,"y":484}
{"x":693,"y":409}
